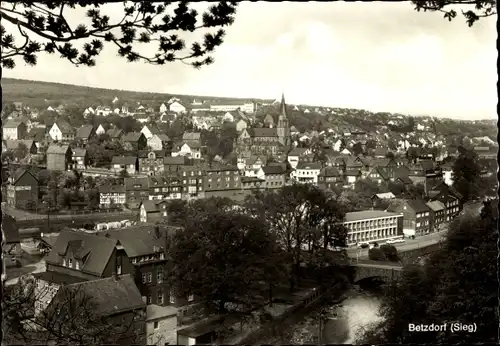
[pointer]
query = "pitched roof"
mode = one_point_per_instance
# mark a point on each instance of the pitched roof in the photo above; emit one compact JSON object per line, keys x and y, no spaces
{"x":64,"y":126}
{"x":79,"y":152}
{"x":263,"y":132}
{"x":20,"y":172}
{"x":352,"y":172}
{"x":385,"y":195}
{"x":84,"y":131}
{"x":191,"y":136}
{"x":150,"y":206}
{"x":11,"y":144}
{"x":297,"y":151}
{"x":309,"y":165}
{"x":130,"y":183}
{"x":99,"y":250}
{"x":175,"y":160}
{"x":58,"y":149}
{"x":114,"y":133}
{"x":329,"y":172}
{"x":163,"y":137}
{"x":274,"y":170}
{"x":436,"y":205}
{"x":418,"y":205}
{"x":110,"y":295}
{"x":123,"y":160}
{"x":111,"y":189}
{"x":132,"y":136}
{"x":11,"y":124}
{"x":58,"y":278}
{"x":142,"y":240}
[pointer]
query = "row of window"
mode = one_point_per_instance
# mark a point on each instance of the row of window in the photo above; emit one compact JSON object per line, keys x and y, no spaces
{"x":371,"y":235}
{"x":70,"y":263}
{"x":426,"y":214}
{"x":142,"y":259}
{"x":192,"y":173}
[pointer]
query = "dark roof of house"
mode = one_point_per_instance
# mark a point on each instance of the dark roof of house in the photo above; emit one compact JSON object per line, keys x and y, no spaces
{"x":163,"y":137}
{"x":382,"y":172}
{"x":64,"y":126}
{"x":191,"y":136}
{"x":57,"y":278}
{"x":20,"y":172}
{"x":274,"y":170}
{"x":132,"y":137}
{"x":142,"y":240}
{"x":175,"y":160}
{"x":108,"y":296}
{"x":79,"y":152}
{"x":308,"y":165}
{"x":150,"y":206}
{"x":111,"y":189}
{"x":427,"y":165}
{"x":352,"y":172}
{"x":58,"y":149}
{"x":12,"y":124}
{"x":418,"y":205}
{"x":297,"y":151}
{"x":131,"y":182}
{"x":436,"y":205}
{"x":10,"y":229}
{"x":99,"y":250}
{"x":380,"y":151}
{"x":404,"y":179}
{"x":114,"y":133}
{"x":263,"y":132}
{"x":84,"y":131}
{"x":329,"y":172}
{"x":367,"y":214}
{"x":14,"y":144}
{"x":222,"y":168}
{"x":123,"y":160}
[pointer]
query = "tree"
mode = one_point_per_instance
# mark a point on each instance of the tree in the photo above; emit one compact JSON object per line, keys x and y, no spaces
{"x":376,"y":254}
{"x":70,"y":318}
{"x":457,"y":284}
{"x":389,"y":155}
{"x":466,"y":175}
{"x":224,"y":258}
{"x":21,"y":151}
{"x":46,"y":27}
{"x":357,"y":149}
{"x":124,"y":174}
{"x":482,"y":8}
{"x":390,"y":252}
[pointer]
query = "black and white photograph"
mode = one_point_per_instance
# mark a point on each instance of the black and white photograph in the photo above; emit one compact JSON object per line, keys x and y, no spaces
{"x":249,"y":173}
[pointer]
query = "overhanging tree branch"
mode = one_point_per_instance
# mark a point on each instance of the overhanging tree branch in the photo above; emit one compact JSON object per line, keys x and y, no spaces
{"x":142,"y":23}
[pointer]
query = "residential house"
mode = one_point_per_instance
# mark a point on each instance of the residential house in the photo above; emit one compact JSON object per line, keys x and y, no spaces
{"x":116,"y":299}
{"x":11,"y":242}
{"x":149,"y":212}
{"x":192,"y":138}
{"x":14,"y":144}
{"x":115,"y":134}
{"x":111,"y":196}
{"x":416,"y":216}
{"x":229,"y":117}
{"x":222,"y":181}
{"x":163,"y":108}
{"x":85,"y":133}
{"x":177,"y":107}
{"x":379,"y":199}
{"x":80,"y":159}
{"x":241,"y":125}
{"x":62,"y":131}
{"x":380,"y":152}
{"x":130,"y":164}
{"x":249,"y":184}
{"x":307,"y":172}
{"x":329,"y":177}
{"x":191,"y":150}
{"x":438,"y":215}
{"x":193,"y":179}
{"x":275,"y":176}
{"x":449,"y":197}
{"x":59,"y":157}
{"x":151,"y":162}
{"x":150,"y":130}
{"x":134,"y":141}
{"x":14,"y":130}
{"x":296,"y":154}
{"x":173,"y":164}
{"x":159,"y":142}
{"x":379,"y":175}
{"x":103,"y":111}
{"x":100,"y":130}
{"x":352,"y":175}
{"x":161,"y":324}
{"x":136,"y":191}
{"x":447,"y":171}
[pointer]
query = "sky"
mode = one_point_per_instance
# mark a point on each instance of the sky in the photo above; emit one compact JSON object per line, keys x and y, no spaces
{"x":378,"y":56}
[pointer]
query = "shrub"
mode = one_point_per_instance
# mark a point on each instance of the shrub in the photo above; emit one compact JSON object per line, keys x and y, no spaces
{"x":390,"y":252}
{"x":376,"y":254}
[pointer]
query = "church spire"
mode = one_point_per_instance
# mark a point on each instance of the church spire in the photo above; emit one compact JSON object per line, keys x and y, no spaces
{"x":283,"y":106}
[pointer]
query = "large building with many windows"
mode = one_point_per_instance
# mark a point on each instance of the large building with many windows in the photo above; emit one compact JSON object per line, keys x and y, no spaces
{"x":372,"y":225}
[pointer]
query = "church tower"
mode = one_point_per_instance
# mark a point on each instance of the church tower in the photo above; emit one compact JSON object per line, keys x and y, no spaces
{"x":283,"y":127}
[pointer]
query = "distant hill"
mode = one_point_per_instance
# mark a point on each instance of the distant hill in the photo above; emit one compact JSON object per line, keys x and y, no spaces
{"x":43,"y":94}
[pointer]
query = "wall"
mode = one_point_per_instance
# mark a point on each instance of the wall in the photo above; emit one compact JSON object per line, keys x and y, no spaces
{"x":69,"y":271}
{"x":410,"y":255}
{"x":166,"y":332}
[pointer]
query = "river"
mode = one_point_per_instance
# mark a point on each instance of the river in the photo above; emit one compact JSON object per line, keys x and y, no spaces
{"x":343,"y":321}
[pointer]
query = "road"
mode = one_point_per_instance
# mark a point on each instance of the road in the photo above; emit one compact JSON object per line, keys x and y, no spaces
{"x":381,"y":266}
{"x":409,"y":244}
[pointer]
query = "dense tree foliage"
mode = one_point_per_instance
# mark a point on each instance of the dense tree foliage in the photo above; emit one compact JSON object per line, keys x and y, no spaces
{"x":46,"y":27}
{"x":458,"y":284}
{"x":467,"y":174}
{"x":225,"y":257}
{"x":473,"y":12}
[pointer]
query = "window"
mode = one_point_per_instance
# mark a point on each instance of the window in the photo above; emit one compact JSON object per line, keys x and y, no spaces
{"x":77,"y":265}
{"x":64,"y":262}
{"x":159,"y":276}
{"x":150,"y":277}
{"x":118,"y":269}
{"x":70,"y":263}
{"x":172,"y":297}
{"x":155,"y":325}
{"x":159,"y":299}
{"x":162,"y":256}
{"x":134,"y":260}
{"x":190,"y":298}
{"x":150,"y":298}
{"x":144,"y":278}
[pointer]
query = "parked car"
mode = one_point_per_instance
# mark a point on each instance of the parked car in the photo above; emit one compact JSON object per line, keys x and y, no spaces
{"x":399,"y":240}
{"x":391,"y":241}
{"x":363,"y":245}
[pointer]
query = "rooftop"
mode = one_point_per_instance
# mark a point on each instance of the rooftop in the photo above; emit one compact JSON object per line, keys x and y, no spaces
{"x":367,"y":214}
